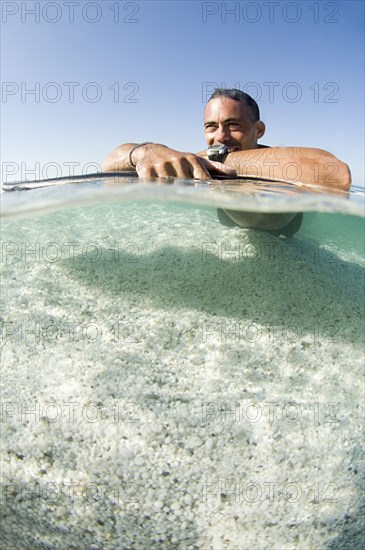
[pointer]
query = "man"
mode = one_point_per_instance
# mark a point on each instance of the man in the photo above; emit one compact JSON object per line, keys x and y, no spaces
{"x":232,"y":119}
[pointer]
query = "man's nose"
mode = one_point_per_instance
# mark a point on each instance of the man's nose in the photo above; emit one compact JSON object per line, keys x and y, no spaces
{"x":222,"y":135}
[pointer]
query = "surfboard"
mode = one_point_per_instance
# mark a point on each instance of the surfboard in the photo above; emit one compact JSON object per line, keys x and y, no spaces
{"x":253,"y":195}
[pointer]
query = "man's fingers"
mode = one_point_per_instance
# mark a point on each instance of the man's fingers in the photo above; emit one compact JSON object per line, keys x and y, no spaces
{"x":146,"y":171}
{"x":179,"y":165}
{"x":219,"y":167}
{"x":191,"y":168}
{"x":201,"y":173}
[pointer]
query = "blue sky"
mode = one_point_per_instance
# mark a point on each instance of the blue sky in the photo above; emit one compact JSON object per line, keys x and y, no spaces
{"x":110,"y":72}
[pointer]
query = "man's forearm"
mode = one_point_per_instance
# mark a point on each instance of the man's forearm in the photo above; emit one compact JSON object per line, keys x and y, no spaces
{"x":292,"y":165}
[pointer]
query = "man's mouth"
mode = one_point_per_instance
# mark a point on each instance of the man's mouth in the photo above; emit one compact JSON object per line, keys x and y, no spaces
{"x":231,"y":148}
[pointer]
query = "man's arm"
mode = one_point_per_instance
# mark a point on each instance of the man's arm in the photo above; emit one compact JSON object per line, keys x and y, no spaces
{"x":284,"y":164}
{"x":291,"y":165}
{"x":153,"y":160}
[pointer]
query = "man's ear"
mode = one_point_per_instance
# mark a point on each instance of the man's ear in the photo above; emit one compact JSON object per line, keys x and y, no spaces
{"x":260,"y":129}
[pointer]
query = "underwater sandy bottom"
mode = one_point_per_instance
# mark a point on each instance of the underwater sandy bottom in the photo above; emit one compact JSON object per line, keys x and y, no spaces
{"x":171,"y":383}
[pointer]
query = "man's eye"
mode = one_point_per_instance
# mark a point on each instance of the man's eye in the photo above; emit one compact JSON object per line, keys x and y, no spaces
{"x":210,"y":127}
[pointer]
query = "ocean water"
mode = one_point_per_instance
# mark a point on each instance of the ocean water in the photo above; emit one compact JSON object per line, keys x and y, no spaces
{"x":169,"y":382}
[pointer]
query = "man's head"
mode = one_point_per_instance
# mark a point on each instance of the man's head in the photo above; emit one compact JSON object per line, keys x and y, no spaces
{"x":232,"y":117}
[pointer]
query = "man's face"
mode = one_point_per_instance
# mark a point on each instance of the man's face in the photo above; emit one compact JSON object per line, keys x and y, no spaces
{"x":228,"y":121}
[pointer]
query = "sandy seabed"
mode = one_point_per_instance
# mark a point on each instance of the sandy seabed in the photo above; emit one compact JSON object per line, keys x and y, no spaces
{"x":171,"y":383}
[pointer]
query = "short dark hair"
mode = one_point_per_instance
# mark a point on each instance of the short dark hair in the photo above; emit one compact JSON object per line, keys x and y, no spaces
{"x":237,"y":95}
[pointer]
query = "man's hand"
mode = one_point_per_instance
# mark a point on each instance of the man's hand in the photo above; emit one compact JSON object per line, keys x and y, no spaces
{"x":158,"y":161}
